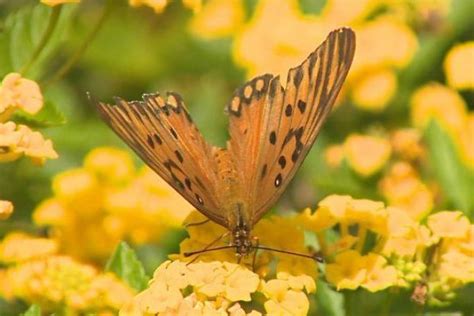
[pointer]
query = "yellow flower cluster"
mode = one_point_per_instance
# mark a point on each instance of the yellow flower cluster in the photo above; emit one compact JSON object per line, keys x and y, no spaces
{"x":263,"y":46}
{"x":106,"y":201}
{"x":399,"y":183}
{"x":402,"y":253}
{"x":215,"y":285}
{"x":16,"y":93}
{"x":218,"y":288}
{"x":36,"y":274}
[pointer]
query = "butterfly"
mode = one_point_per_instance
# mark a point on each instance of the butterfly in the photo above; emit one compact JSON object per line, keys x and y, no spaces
{"x":271,"y":130}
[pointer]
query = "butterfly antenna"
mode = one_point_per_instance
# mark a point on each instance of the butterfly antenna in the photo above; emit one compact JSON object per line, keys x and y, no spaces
{"x":316,"y":256}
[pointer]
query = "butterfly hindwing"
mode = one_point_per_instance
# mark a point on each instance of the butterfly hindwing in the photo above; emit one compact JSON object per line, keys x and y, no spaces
{"x":272,"y":130}
{"x":164,"y":136}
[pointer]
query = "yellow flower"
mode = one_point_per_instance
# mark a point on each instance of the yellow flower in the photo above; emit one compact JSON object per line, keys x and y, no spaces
{"x":159,"y":5}
{"x":52,"y":3}
{"x":265,"y":46}
{"x":6,"y":209}
{"x":21,"y":140}
{"x":348,"y":270}
{"x":214,"y":286}
{"x":449,"y":224}
{"x":373,"y":90}
{"x":406,"y":143}
{"x":366,"y":154}
{"x":334,"y":155}
{"x":110,"y":164}
{"x":459,"y":66}
{"x":18,"y":247}
{"x":379,"y":275}
{"x":374,"y":50}
{"x":218,"y":19}
{"x":434,"y":101}
{"x":340,"y":12}
{"x":22,"y":93}
{"x":287,"y":302}
{"x":457,"y":266}
{"x":402,"y":187}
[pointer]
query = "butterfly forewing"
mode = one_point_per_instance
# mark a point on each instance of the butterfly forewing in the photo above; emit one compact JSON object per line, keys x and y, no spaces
{"x":273,"y":129}
{"x":164,"y":136}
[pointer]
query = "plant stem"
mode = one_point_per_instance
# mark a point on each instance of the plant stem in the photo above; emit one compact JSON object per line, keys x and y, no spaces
{"x":82,"y":48}
{"x":52,"y":22}
{"x":361,"y":236}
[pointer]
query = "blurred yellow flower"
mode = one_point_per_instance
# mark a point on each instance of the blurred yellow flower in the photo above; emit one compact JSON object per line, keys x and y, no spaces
{"x":17,"y":92}
{"x":108,"y":200}
{"x":435,"y":101}
{"x":366,"y":154}
{"x":6,"y":209}
{"x":266,"y":46}
{"x":18,"y":247}
{"x":406,"y":143}
{"x":334,"y":155}
{"x":18,"y":140}
{"x":459,"y":66}
{"x":374,"y":50}
{"x":56,"y":282}
{"x":402,"y":187}
{"x":373,"y":90}
{"x":110,"y":164}
{"x":348,"y":270}
{"x":159,"y":5}
{"x":218,"y":19}
{"x":56,"y":2}
{"x":343,"y":12}
{"x":449,"y":224}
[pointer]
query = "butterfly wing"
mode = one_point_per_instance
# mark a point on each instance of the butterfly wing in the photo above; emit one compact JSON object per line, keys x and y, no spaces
{"x":164,"y":136}
{"x":272,"y":129}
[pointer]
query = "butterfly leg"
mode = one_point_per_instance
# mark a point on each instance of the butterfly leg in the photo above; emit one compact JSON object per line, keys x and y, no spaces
{"x":197,"y":223}
{"x":199,"y":252}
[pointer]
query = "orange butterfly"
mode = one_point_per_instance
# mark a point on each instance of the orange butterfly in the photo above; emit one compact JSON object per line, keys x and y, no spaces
{"x":271,"y":131}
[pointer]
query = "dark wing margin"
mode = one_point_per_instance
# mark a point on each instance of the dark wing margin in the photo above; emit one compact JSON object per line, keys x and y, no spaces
{"x":163,"y":135}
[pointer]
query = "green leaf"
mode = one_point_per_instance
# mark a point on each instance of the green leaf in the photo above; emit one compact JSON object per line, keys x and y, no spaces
{"x":330,"y":302}
{"x":125,"y":264}
{"x":48,"y":116}
{"x":23,"y":31}
{"x":33,"y":310}
{"x":456,"y":179}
